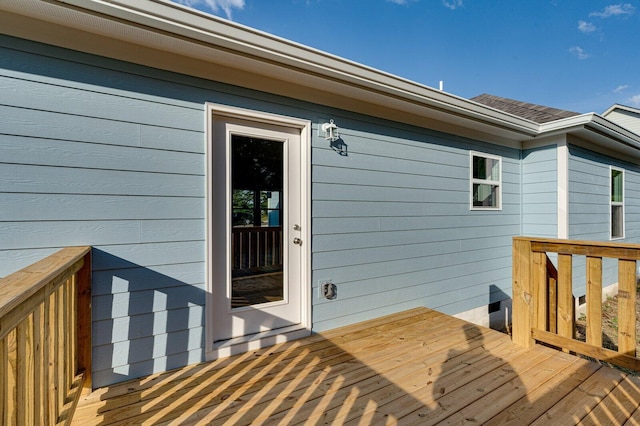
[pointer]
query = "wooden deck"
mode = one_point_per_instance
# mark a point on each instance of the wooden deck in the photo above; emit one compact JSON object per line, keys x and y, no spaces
{"x":416,"y":367}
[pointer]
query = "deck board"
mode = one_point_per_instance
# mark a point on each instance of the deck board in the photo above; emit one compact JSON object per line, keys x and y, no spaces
{"x":415,"y":367}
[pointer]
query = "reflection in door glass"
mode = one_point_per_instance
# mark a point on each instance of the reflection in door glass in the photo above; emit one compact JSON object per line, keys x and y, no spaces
{"x":257,"y":201}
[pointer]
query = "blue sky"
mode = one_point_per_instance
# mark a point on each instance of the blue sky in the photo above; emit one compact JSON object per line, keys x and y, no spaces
{"x":577,"y":55}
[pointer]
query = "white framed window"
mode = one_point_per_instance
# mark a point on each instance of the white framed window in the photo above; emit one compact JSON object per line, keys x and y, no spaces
{"x":485,"y":181}
{"x":617,"y":203}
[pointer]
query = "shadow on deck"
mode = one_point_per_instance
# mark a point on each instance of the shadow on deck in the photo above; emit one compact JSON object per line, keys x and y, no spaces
{"x":416,"y":367}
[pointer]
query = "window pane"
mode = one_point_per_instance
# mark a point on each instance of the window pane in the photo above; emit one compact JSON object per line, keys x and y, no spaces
{"x":617,"y":222}
{"x":616,"y":186}
{"x":485,"y":195}
{"x":486,"y":168}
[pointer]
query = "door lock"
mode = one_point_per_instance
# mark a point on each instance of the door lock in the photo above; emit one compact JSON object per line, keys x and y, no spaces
{"x":296,"y":227}
{"x":297,"y":241}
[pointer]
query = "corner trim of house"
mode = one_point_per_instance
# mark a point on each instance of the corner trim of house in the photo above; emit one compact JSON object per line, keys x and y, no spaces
{"x":563,"y":189}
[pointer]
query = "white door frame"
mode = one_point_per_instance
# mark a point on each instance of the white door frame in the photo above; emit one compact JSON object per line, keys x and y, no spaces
{"x":239,"y":345}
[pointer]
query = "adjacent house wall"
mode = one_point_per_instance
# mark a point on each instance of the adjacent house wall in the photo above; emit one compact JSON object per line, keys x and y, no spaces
{"x":109,"y":154}
{"x":589,"y":208}
{"x":628,"y":119}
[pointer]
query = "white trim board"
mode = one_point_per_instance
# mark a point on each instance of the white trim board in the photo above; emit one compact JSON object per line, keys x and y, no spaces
{"x":563,"y":189}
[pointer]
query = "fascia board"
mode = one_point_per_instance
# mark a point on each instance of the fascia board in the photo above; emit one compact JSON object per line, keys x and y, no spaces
{"x":597,"y":130}
{"x":224,"y":38}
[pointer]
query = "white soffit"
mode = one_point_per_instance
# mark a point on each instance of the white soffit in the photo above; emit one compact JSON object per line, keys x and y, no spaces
{"x":165,"y":35}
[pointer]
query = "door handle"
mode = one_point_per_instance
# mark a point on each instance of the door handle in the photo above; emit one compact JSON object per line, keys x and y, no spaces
{"x":297,"y":241}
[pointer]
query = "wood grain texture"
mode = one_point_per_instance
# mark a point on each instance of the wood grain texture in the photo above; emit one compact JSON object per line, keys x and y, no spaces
{"x":523,"y":292}
{"x":565,"y":296}
{"x":594,"y":301}
{"x":627,"y":312}
{"x":415,"y":367}
{"x":600,"y":353}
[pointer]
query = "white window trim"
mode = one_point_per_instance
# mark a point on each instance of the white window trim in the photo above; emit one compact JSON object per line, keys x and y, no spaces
{"x":472,"y":180}
{"x":617,"y":203}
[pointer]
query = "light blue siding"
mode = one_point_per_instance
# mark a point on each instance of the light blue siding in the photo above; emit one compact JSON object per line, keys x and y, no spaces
{"x":392,"y":227}
{"x":588,"y":195}
{"x":540,"y":192}
{"x":589,"y":208}
{"x":112,"y":155}
{"x":93,"y":154}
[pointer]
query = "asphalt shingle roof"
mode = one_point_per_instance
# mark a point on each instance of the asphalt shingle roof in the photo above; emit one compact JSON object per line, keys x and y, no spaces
{"x":537,"y":113}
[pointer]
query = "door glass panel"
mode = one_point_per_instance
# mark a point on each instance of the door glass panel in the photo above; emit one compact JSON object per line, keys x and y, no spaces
{"x":257,"y":200}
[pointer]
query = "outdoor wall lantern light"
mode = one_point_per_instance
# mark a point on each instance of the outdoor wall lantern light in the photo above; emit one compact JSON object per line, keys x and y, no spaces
{"x":330,"y":131}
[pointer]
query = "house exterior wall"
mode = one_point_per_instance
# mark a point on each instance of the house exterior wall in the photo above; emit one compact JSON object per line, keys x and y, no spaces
{"x":540,"y":192}
{"x":110,"y":154}
{"x":392,"y":227}
{"x":589,"y":208}
{"x":94,"y":153}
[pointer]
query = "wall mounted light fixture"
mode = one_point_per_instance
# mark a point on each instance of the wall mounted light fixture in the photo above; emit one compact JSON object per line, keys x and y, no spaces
{"x":330,"y":131}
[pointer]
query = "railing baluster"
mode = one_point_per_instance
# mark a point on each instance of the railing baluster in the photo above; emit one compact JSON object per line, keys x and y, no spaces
{"x":627,"y":307}
{"x":52,"y":371}
{"x":59,"y":349}
{"x":553,"y":304}
{"x":39,"y":390}
{"x":69,"y":356}
{"x":541,"y":291}
{"x":594,"y":301}
{"x":24,"y":373}
{"x":48,"y":399}
{"x":10,"y":416}
{"x":73,"y":301}
{"x":565,"y":296}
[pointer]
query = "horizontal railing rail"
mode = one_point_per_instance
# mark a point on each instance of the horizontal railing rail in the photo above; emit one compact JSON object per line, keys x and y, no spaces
{"x":45,"y":339}
{"x":543,"y":302}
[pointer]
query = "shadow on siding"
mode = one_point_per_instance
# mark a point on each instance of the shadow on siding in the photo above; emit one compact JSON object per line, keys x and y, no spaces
{"x":143,"y":321}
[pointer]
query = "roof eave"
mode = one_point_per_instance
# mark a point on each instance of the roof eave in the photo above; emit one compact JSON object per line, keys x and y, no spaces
{"x":597,"y":131}
{"x":164,"y":26}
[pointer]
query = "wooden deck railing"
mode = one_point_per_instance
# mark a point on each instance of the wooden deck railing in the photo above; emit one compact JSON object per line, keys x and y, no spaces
{"x":543,"y":304}
{"x":45,"y":339}
{"x":256,"y":247}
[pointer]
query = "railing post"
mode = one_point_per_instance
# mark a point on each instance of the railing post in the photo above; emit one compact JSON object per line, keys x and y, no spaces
{"x":84,"y":321}
{"x":522,"y":292}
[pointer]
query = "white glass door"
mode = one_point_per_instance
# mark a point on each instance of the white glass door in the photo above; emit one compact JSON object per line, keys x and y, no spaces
{"x":256,"y":223}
